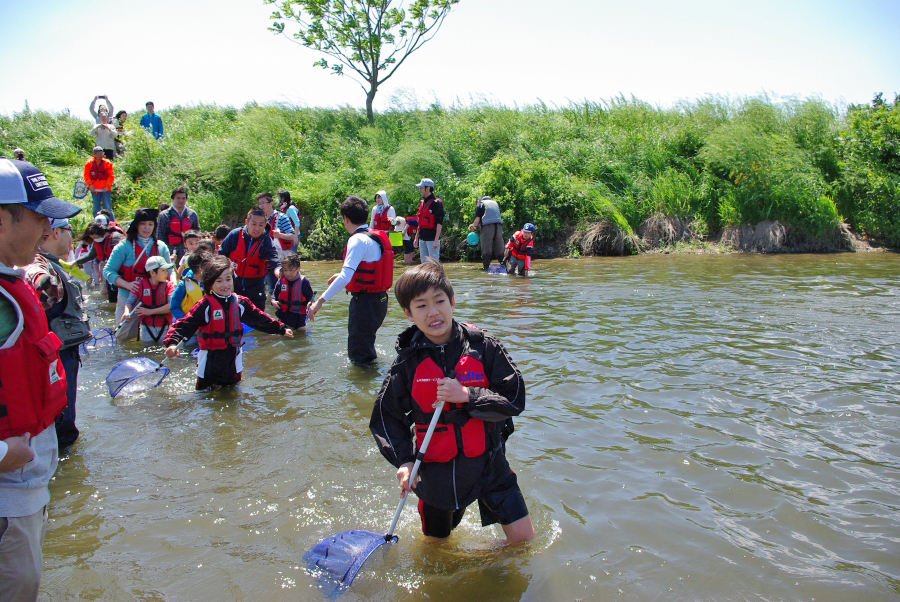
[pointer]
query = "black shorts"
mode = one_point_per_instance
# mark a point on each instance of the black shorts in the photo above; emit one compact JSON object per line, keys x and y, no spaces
{"x":503,"y":503}
{"x":408,"y":246}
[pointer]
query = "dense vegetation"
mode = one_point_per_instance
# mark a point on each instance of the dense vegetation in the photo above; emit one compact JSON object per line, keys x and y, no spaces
{"x":710,"y":163}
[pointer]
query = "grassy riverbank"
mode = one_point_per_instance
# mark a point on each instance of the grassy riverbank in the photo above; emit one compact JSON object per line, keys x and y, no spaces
{"x":614,"y":177}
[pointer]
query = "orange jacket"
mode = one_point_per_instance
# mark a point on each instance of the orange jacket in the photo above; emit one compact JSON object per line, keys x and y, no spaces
{"x":99,"y":175}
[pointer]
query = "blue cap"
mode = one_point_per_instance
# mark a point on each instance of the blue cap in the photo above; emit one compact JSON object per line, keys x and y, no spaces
{"x":23,"y":183}
{"x":529,"y":227}
{"x":425,"y":182}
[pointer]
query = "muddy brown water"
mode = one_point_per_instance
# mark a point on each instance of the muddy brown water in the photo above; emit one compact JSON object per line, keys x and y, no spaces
{"x":697,"y":427}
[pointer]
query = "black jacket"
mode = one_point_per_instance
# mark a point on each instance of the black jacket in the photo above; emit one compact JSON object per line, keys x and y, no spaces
{"x":453,"y":484}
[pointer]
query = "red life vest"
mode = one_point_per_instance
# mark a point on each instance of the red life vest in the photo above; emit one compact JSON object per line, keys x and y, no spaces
{"x":32,"y":379}
{"x":285,"y":244}
{"x":290,"y":296}
{"x":517,"y":245}
{"x":130,"y":273}
{"x":426,"y":217}
{"x":152,"y":296}
{"x":412,"y":226}
{"x":449,"y":439}
{"x":101,"y":170}
{"x":177,"y":227}
{"x":374,"y":276}
{"x":103,"y":249}
{"x":381,"y":220}
{"x":248,"y":263}
{"x":224,"y":328}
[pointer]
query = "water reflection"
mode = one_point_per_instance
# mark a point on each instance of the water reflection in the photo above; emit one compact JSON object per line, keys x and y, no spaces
{"x":697,"y":427}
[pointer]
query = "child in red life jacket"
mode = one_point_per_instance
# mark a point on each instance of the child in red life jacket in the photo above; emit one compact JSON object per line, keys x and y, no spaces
{"x":154,"y":294}
{"x":518,"y":250}
{"x":293,"y":292}
{"x":440,"y":359}
{"x":191,"y":240}
{"x":216,"y":320}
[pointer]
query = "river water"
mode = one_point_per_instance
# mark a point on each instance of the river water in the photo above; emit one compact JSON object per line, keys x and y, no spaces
{"x":697,"y":427}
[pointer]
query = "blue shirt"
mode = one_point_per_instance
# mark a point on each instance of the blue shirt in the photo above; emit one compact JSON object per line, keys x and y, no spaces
{"x":153,"y":124}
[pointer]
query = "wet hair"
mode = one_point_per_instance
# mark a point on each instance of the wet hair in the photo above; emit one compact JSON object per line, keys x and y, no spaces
{"x":178,"y":190}
{"x":196,"y":260}
{"x":190,"y":234}
{"x":285,"y":197}
{"x":212,"y":269}
{"x":207,"y":245}
{"x":264,"y":195}
{"x":290,"y":260}
{"x":355,"y":209}
{"x":257,"y":212}
{"x":419,"y":279}
{"x":221,"y":232}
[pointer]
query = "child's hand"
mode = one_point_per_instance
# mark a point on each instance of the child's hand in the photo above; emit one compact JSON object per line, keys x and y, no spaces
{"x":289,"y":333}
{"x":274,"y":302}
{"x":125,"y":315}
{"x":403,"y":477}
{"x":452,"y":391}
{"x":142,"y":311}
{"x":171,"y":351}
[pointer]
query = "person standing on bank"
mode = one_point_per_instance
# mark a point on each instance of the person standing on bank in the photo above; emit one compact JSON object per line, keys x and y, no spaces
{"x":487,"y":215}
{"x":175,"y":221}
{"x":367,"y":273}
{"x":431,"y":220}
{"x":32,"y":380}
{"x":152,"y":122}
{"x":253,"y":254}
{"x":62,"y":302}
{"x":99,"y":177}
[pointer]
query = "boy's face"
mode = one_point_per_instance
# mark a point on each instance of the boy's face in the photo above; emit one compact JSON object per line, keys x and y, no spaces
{"x":190,"y":244}
{"x":290,"y":272}
{"x":157,"y":276}
{"x":432,"y":312}
{"x":527,"y":235}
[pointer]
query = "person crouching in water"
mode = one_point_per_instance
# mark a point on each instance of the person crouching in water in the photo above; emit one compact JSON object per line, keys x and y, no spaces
{"x":293,"y":293}
{"x":441,"y":360}
{"x":518,"y":250}
{"x":216,"y":320}
{"x":154,"y":292}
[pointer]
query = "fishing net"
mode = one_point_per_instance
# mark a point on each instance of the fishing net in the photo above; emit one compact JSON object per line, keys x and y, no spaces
{"x":135,"y":374}
{"x":336,"y":560}
{"x":100,"y":339}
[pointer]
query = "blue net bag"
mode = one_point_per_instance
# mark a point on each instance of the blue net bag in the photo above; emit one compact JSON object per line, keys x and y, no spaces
{"x":135,"y":374}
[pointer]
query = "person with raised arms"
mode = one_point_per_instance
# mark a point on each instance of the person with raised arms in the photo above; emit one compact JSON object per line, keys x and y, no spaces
{"x":253,"y":255}
{"x":367,"y":274}
{"x":32,"y":379}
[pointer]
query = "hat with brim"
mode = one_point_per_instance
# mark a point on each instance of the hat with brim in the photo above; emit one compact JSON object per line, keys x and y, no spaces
{"x":156,"y":262}
{"x":426,"y":182}
{"x":142,"y":215}
{"x":23,"y":183}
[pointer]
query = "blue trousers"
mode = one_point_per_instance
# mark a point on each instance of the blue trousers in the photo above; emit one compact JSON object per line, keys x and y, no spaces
{"x":104,"y":198}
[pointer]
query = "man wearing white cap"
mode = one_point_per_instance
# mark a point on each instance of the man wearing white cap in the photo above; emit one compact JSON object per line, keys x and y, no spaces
{"x":32,"y":379}
{"x":431,"y":220}
{"x":62,"y":302}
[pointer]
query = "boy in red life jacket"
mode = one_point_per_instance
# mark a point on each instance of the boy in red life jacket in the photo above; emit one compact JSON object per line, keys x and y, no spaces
{"x":191,"y":242}
{"x":440,"y":359}
{"x":293,"y":292}
{"x":518,"y":250}
{"x":216,"y":320}
{"x":154,"y":294}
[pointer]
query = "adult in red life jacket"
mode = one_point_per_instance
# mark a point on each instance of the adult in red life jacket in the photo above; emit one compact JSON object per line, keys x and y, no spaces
{"x":216,"y":320}
{"x":32,"y":379}
{"x":293,"y":293}
{"x":102,"y":239}
{"x":253,"y":255}
{"x":431,"y":221}
{"x":518,"y":250}
{"x":129,"y":258}
{"x":175,"y":221}
{"x":367,"y":274}
{"x":383,"y":214}
{"x":441,"y":360}
{"x":280,"y":230}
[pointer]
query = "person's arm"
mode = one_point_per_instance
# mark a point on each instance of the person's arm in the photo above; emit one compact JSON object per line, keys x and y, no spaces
{"x":114,"y":263}
{"x":259,"y":320}
{"x":268,"y":252}
{"x":15,"y":453}
{"x":88,"y":180}
{"x":306,"y":289}
{"x":195,"y":220}
{"x":93,"y":109}
{"x":479,"y":213}
{"x":229,"y":243}
{"x":528,"y":249}
{"x":91,"y":254}
{"x":438,"y":220}
{"x":111,"y":110}
{"x":356,"y":247}
{"x":160,"y":124}
{"x":505,"y":396}
{"x":131,"y":302}
{"x":187,"y":327}
{"x":391,"y":420}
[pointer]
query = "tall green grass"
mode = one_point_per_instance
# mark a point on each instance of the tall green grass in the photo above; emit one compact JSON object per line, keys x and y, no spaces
{"x":714,"y":162}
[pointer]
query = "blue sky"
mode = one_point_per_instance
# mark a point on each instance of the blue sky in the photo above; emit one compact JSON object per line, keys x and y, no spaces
{"x":57,"y":54}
